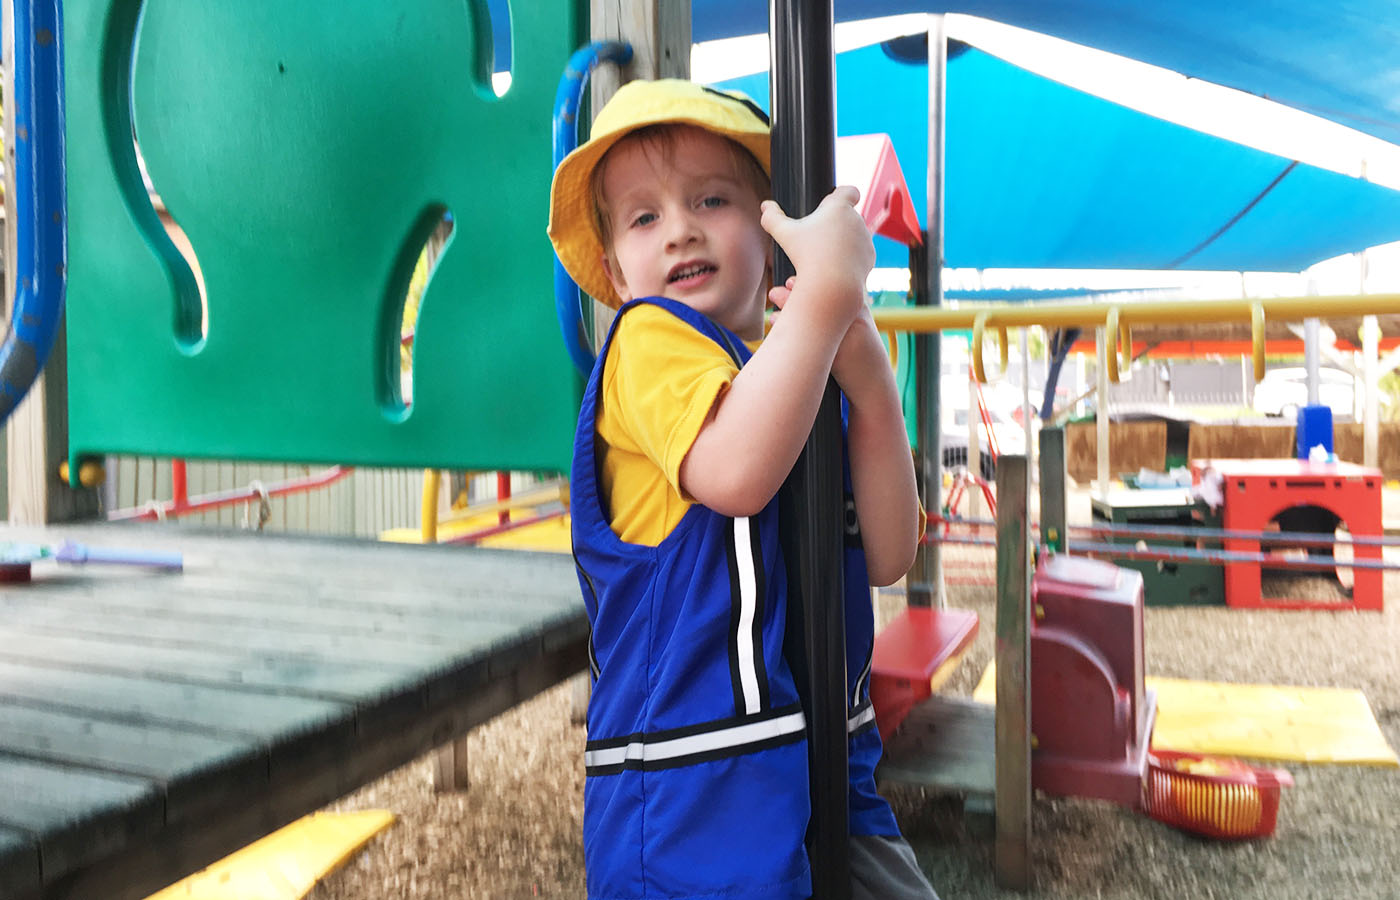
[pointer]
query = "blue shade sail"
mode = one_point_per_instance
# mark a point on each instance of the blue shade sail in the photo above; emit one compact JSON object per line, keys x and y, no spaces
{"x":1041,"y":175}
{"x":1339,"y":59}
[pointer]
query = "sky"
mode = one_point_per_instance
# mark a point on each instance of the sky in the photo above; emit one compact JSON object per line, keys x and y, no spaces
{"x":1227,"y":113}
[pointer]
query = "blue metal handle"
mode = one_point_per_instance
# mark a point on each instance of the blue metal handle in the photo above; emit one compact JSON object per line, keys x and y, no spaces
{"x":567,"y":298}
{"x":40,"y":204}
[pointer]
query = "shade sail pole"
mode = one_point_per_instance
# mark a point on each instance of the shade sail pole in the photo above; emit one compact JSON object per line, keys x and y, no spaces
{"x":804,"y":171}
{"x":924,"y":582}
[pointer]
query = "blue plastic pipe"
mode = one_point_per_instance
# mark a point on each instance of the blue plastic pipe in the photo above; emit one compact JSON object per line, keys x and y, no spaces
{"x":40,"y":203}
{"x":568,"y":301}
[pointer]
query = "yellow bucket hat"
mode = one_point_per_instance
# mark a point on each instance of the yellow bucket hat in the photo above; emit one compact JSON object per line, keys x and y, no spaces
{"x":573,"y":227}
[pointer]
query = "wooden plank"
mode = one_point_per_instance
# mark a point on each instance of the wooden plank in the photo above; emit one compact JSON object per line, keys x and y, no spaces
{"x":326,"y":679}
{"x":19,"y":864}
{"x":218,"y":711}
{"x":197,"y":771}
{"x":1013,"y":708}
{"x":946,"y":743}
{"x":154,"y":631}
{"x":77,"y":816}
{"x":238,"y":609}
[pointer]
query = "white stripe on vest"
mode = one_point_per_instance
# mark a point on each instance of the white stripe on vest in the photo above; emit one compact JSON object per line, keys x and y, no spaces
{"x":748,"y":603}
{"x":705,"y":742}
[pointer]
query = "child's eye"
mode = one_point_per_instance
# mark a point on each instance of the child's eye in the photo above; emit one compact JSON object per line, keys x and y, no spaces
{"x":643,"y":220}
{"x":713,"y":202}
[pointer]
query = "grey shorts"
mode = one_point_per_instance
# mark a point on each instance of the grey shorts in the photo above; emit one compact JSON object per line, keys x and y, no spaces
{"x":884,"y":868}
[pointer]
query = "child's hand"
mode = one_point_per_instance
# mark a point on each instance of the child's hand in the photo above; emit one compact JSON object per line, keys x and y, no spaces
{"x":830,"y":248}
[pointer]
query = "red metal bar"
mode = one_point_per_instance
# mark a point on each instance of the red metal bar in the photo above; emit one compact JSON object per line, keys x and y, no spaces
{"x":206,"y":502}
{"x":503,"y":493}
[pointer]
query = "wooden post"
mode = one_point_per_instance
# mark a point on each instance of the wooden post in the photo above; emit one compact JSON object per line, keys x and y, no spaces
{"x":659,"y":33}
{"x":1013,"y":663}
{"x":1053,"y":478}
{"x":37,"y":431}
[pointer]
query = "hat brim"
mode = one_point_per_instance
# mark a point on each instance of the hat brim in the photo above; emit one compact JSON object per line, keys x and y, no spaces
{"x":572,"y":227}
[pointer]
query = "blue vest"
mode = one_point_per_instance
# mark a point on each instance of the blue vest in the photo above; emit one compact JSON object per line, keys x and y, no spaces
{"x":697,"y":758}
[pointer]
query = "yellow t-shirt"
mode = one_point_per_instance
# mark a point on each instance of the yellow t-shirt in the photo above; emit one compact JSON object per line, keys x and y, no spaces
{"x":660,"y":381}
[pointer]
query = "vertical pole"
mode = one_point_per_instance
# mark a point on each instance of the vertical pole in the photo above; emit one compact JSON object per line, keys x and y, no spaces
{"x":1054,"y":505}
{"x":804,"y":141}
{"x":1013,"y":711}
{"x":925,"y":580}
{"x":1101,"y":409}
{"x":1311,"y":338}
{"x":1370,"y":376}
{"x":37,"y":430}
{"x":503,"y":493}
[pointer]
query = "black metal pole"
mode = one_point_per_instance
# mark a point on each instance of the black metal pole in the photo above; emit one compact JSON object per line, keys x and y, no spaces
{"x":804,"y":171}
{"x":925,"y":579}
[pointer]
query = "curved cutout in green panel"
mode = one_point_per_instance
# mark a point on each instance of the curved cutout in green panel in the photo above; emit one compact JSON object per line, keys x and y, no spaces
{"x":484,"y":59}
{"x":434,"y":227}
{"x":118,"y":53}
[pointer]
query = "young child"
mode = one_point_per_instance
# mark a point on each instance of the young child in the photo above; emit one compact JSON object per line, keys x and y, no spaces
{"x":696,"y":760}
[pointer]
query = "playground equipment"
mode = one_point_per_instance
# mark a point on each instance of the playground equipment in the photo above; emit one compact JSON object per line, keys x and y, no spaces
{"x":1258,"y":492}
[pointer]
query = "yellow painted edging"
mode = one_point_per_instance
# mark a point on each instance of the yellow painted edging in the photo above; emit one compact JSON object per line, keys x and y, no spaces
{"x":286,"y":864}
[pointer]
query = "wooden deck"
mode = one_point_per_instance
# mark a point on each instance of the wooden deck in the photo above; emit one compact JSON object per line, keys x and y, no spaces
{"x":151,"y":723}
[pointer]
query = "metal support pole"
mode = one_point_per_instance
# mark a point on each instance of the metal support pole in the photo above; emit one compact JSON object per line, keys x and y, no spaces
{"x":1053,"y":480}
{"x":804,"y":140}
{"x":924,"y":583}
{"x":1013,"y":658}
{"x":1310,"y":357}
{"x":1101,"y":411}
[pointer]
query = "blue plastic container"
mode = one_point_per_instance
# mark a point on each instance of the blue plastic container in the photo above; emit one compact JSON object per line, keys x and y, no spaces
{"x":1314,"y":427}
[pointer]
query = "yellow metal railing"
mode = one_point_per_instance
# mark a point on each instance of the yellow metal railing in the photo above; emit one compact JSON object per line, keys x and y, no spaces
{"x":1118,"y":318}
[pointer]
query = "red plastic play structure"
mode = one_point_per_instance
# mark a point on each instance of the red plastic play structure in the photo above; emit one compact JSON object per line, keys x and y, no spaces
{"x":1091,"y":715}
{"x":1256,"y":491}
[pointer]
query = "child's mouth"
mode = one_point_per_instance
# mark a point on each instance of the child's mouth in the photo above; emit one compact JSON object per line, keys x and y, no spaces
{"x":686,"y":273}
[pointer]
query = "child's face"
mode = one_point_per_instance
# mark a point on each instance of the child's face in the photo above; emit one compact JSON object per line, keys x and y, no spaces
{"x":684,"y":225}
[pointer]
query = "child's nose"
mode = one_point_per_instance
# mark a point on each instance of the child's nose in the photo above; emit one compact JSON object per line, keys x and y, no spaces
{"x":683,"y":229}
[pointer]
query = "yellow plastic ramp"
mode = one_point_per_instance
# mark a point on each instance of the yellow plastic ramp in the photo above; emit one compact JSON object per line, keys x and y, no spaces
{"x":286,"y":864}
{"x":1258,"y":721}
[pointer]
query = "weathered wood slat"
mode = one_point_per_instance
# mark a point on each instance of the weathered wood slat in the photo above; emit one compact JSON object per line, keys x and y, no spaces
{"x":196,"y":771}
{"x":215,"y":710}
{"x":324,"y":679}
{"x":947,"y":743}
{"x":156,"y":631}
{"x":415,"y":615}
{"x":77,"y":816}
{"x":19,"y":864}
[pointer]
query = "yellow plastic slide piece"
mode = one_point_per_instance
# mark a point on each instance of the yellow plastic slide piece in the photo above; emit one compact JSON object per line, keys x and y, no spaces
{"x":1258,"y":721}
{"x":551,"y":535}
{"x":286,"y":864}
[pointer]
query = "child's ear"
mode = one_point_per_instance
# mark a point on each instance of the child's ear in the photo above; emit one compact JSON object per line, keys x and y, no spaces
{"x":618,"y":283}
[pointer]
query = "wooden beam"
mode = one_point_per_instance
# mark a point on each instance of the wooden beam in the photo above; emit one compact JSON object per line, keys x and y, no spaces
{"x":37,"y":431}
{"x":1013,"y":661}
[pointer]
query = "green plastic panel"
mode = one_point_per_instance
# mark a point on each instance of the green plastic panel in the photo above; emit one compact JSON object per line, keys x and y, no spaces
{"x":308,"y":149}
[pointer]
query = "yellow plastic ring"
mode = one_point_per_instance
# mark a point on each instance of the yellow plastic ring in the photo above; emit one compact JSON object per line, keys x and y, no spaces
{"x":1110,"y":330}
{"x":979,"y":326}
{"x":892,"y":338}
